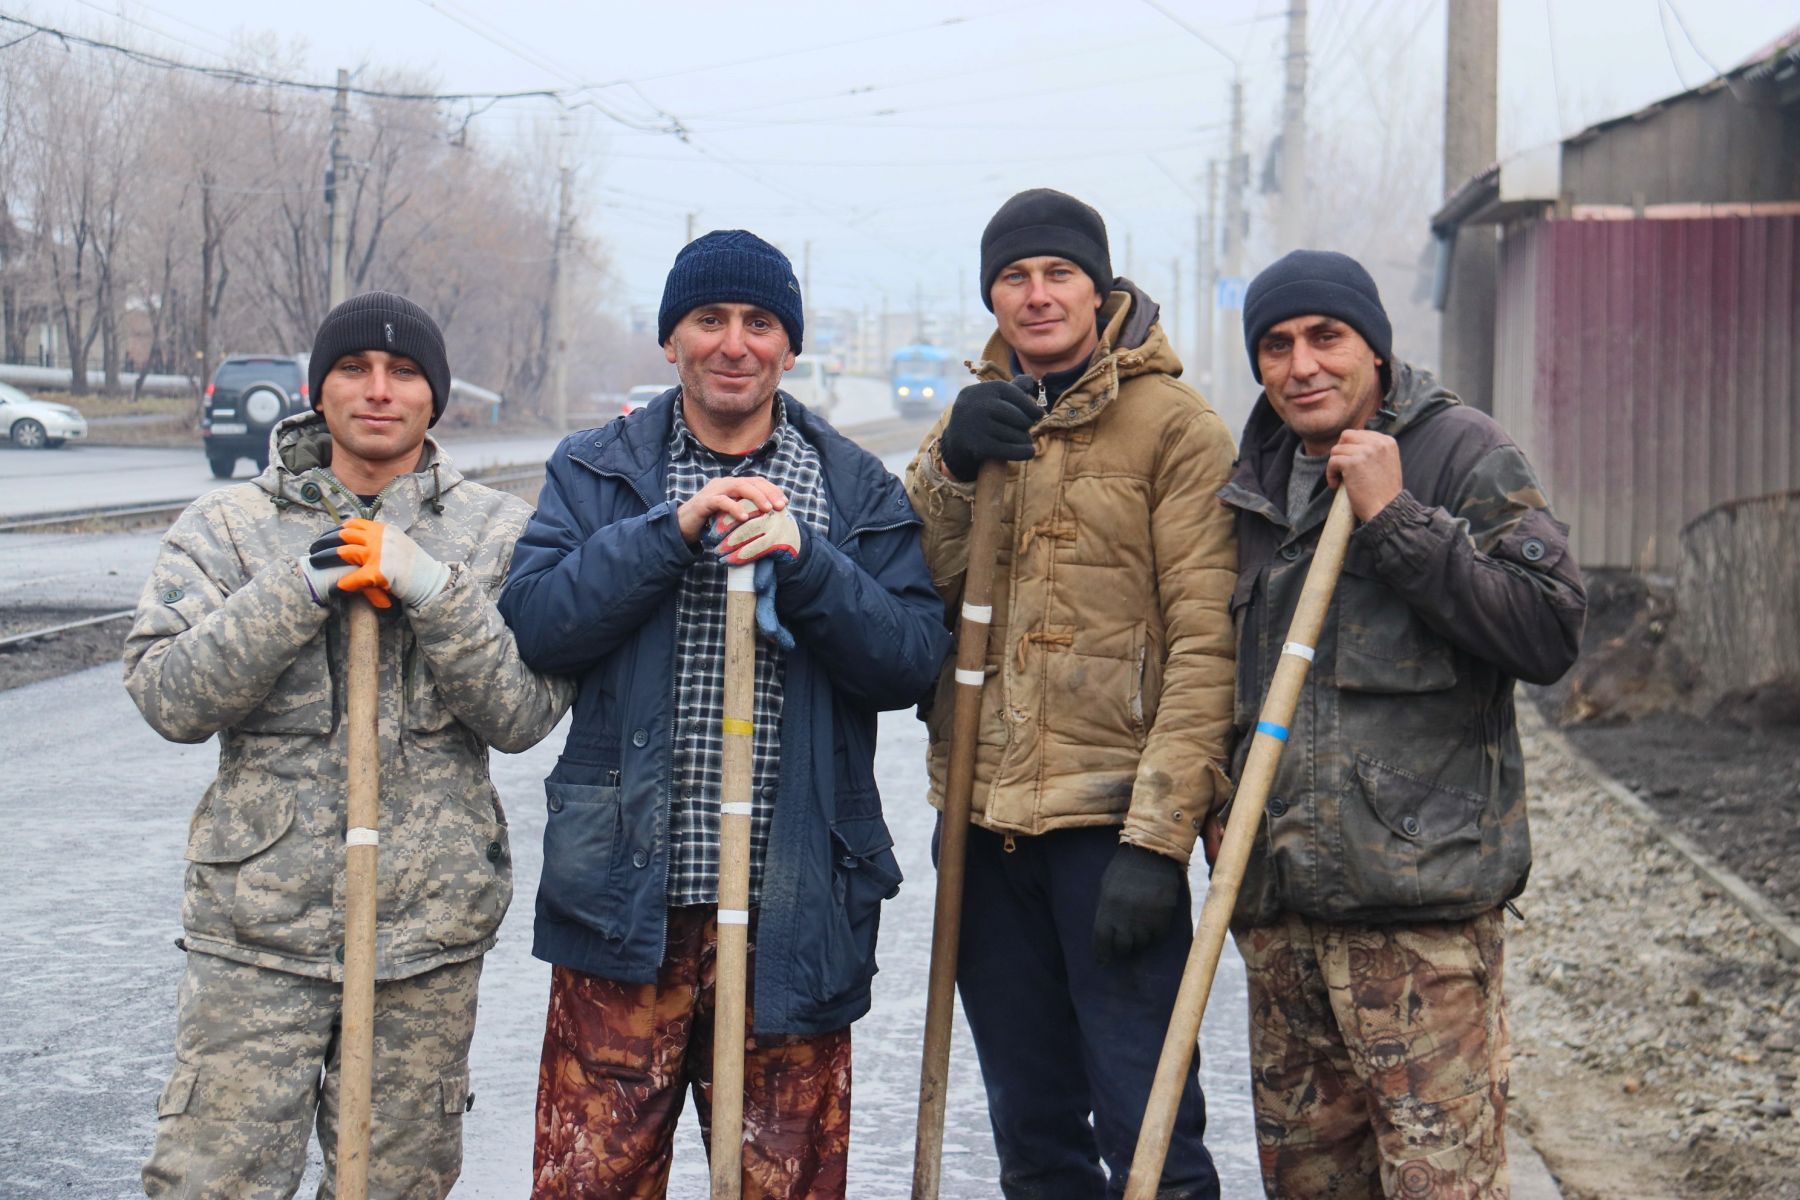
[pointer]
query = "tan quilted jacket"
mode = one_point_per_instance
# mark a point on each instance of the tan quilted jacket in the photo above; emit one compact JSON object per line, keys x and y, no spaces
{"x":1110,"y":666}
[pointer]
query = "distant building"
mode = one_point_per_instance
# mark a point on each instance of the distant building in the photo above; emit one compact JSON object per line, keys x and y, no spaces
{"x":1647,"y":330}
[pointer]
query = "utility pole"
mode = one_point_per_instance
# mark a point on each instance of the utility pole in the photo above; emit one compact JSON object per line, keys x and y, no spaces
{"x":1130,"y":266}
{"x":806,"y":272}
{"x":1206,"y":280}
{"x":1293,"y":130}
{"x":1173,"y":329}
{"x":690,"y":225}
{"x":1234,"y":390}
{"x":338,"y":241}
{"x":1471,"y":78}
{"x":556,"y":371}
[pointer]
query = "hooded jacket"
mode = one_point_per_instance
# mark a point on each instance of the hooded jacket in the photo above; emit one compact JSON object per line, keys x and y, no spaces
{"x":229,"y":642}
{"x":592,"y":595}
{"x":1400,"y":795}
{"x":1108,"y":698}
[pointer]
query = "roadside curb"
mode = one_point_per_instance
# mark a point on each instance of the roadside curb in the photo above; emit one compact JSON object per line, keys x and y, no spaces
{"x":1784,"y":931}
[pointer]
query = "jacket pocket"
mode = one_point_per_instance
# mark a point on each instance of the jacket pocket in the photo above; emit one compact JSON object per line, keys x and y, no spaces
{"x":1408,"y":840}
{"x":1244,"y":626}
{"x":1382,"y":646}
{"x":582,"y":838}
{"x":1097,"y":700}
{"x":864,"y":872}
{"x":235,"y":822}
{"x":301,"y":700}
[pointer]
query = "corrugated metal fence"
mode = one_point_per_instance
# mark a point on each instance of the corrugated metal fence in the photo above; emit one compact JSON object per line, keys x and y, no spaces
{"x":1649,"y":369}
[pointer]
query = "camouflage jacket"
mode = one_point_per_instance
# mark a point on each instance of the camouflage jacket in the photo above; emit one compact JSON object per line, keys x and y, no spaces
{"x":228,"y":641}
{"x":1401,"y":791}
{"x":1108,"y":698}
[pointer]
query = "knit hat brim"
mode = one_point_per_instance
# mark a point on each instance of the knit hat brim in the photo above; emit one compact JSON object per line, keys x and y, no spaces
{"x":387,"y":322}
{"x":732,"y":267}
{"x":1308,"y":283}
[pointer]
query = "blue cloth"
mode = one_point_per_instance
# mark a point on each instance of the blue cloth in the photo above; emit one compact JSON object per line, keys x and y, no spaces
{"x":768,"y":621}
{"x":1069,"y":1045}
{"x":590,"y":594}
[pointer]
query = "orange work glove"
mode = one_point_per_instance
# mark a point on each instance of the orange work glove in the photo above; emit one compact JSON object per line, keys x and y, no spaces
{"x":386,"y":561}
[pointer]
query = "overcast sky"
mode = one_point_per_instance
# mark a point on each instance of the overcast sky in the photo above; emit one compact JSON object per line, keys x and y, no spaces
{"x":886,"y":134}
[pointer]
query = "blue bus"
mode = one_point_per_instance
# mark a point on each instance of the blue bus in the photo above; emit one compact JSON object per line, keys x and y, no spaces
{"x":926,"y":379}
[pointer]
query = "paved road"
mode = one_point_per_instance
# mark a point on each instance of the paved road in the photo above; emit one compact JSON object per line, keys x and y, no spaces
{"x":97,"y":807}
{"x":80,"y":476}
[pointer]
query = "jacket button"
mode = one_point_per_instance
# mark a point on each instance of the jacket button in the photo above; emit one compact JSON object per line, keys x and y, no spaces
{"x":172,"y":595}
{"x":340,"y":954}
{"x":1410,"y":827}
{"x":639,"y":738}
{"x":493,"y":852}
{"x":1533,"y":550}
{"x":1290,"y":552}
{"x":309,"y":492}
{"x":639,"y":859}
{"x":1277,"y":806}
{"x":768,"y":791}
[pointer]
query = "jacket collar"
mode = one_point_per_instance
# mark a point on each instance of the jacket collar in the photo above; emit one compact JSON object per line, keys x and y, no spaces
{"x":1132,"y":343}
{"x":635,"y":448}
{"x":1266,"y":454}
{"x":299,"y":474}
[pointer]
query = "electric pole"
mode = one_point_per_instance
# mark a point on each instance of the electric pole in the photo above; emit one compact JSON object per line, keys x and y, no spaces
{"x":1234,"y":390}
{"x":1130,"y":266}
{"x":556,"y":370}
{"x":1206,"y":280}
{"x":806,"y":272}
{"x":690,"y":225}
{"x":1471,"y":78}
{"x":1174,"y":326}
{"x":338,"y":241}
{"x":1293,"y":131}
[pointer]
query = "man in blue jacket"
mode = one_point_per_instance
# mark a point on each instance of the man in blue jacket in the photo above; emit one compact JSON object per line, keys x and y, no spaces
{"x":611,"y":583}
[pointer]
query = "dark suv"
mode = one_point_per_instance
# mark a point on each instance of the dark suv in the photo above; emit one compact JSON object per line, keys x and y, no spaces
{"x":248,"y":394}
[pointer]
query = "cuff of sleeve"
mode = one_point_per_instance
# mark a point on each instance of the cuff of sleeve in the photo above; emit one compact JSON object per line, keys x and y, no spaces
{"x":1381,"y":530}
{"x":935,"y":475}
{"x":802,"y":579}
{"x":450,"y":612}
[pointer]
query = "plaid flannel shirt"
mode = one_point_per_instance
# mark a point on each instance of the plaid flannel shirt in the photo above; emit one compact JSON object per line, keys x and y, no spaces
{"x":790,"y":463}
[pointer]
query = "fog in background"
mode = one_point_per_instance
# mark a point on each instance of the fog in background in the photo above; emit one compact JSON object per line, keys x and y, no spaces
{"x":872,"y":142}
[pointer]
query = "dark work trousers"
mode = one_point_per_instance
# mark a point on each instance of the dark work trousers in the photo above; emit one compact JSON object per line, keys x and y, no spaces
{"x":1061,"y":1037}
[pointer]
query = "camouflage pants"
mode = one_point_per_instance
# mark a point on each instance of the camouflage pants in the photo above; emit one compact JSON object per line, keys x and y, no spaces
{"x":256,"y":1056}
{"x":1378,"y":1058}
{"x":619,"y":1057}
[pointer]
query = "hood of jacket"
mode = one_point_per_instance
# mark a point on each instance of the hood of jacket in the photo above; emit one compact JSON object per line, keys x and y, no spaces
{"x":1131,"y":343}
{"x":299,"y":470}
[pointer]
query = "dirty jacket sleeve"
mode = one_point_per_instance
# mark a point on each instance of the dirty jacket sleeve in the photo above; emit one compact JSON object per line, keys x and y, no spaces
{"x":874,"y":621}
{"x":210,"y":640}
{"x":580,"y":583}
{"x":947,"y":506}
{"x":1491,"y":571}
{"x":1180,"y":776}
{"x":474,"y":658}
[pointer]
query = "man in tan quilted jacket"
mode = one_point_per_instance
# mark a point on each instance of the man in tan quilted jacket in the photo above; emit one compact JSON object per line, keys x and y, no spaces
{"x":1107,"y":703}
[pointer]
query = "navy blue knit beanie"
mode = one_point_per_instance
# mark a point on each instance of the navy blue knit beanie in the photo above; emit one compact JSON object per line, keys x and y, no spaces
{"x":1324,"y":283}
{"x":1044,"y":221}
{"x":731,"y":266}
{"x":381,"y":321}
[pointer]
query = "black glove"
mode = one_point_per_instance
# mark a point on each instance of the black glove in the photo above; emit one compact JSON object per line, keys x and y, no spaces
{"x":1139,"y":895}
{"x":988,"y":420}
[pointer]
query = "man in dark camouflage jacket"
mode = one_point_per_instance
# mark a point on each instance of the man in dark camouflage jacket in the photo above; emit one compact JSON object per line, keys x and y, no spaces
{"x":1370,"y":918}
{"x":240,"y":634}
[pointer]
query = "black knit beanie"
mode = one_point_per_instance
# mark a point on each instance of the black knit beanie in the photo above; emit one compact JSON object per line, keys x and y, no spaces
{"x":1324,"y":283}
{"x":1044,"y":221}
{"x":381,"y":321}
{"x":732,"y":266}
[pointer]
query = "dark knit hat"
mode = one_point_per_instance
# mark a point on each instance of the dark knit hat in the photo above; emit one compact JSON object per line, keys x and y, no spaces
{"x":732,"y":266}
{"x":382,"y":321}
{"x":1325,"y":283}
{"x":1044,"y":221}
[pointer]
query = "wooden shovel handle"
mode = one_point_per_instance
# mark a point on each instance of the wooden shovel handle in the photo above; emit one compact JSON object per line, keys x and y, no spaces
{"x":362,"y":819}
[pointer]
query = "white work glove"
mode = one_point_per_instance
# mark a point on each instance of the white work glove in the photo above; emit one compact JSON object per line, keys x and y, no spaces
{"x":774,"y":532}
{"x":383,"y":562}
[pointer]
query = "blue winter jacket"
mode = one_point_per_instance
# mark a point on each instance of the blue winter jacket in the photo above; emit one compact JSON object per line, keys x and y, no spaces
{"x":591,"y":594}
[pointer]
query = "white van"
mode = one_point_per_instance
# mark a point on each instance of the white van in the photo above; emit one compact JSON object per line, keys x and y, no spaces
{"x":811,"y":384}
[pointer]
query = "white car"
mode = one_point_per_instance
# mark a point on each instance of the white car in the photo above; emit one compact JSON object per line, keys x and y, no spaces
{"x":37,"y":424}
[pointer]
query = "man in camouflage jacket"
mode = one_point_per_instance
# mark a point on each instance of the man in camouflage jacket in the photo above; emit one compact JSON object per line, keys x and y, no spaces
{"x":240,"y":633}
{"x":1370,"y":918}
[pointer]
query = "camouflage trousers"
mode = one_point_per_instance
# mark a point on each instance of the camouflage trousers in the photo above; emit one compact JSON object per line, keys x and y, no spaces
{"x":1378,"y":1058}
{"x":256,"y":1058}
{"x":619,"y":1057}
